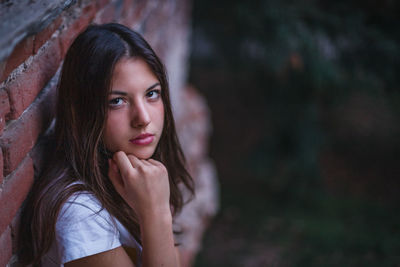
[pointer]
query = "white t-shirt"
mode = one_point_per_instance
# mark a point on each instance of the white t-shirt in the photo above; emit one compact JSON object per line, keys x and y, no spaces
{"x":83,"y":228}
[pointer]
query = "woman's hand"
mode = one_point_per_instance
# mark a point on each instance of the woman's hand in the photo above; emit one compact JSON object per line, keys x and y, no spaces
{"x":143,"y":184}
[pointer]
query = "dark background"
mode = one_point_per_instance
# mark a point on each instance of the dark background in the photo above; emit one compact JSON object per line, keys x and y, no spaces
{"x":305,"y":104}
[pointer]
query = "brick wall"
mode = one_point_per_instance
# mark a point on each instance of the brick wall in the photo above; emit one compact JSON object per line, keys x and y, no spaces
{"x":35,"y":38}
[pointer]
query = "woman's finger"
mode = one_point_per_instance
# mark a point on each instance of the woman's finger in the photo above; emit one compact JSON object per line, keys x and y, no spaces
{"x":123,"y":163}
{"x":146,"y":162}
{"x":154,"y":162}
{"x":135,"y":162}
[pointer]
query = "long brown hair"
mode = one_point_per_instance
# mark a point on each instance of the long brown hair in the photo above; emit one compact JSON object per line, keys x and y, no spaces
{"x":79,"y":153}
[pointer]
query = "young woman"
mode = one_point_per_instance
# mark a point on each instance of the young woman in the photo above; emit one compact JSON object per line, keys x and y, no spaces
{"x":110,"y":188}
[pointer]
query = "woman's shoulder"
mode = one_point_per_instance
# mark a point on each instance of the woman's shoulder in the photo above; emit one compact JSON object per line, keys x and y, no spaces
{"x":83,"y":206}
{"x":83,"y":200}
{"x":83,"y":228}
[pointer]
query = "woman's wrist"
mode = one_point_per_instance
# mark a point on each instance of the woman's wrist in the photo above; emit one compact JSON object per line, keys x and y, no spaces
{"x":161,"y":215}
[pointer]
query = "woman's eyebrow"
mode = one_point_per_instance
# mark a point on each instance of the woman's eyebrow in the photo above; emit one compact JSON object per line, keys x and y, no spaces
{"x":118,"y":93}
{"x":125,"y":93}
{"x":151,"y":87}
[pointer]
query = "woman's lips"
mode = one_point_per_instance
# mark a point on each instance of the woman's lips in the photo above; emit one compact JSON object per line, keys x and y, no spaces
{"x":143,"y":139}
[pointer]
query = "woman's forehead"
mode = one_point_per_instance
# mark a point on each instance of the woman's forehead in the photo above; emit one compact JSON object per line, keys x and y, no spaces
{"x":133,"y":73}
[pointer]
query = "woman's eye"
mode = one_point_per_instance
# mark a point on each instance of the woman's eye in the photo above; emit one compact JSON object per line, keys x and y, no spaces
{"x":115,"y":102}
{"x":154,"y":94}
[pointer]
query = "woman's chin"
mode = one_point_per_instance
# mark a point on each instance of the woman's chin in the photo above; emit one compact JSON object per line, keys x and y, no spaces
{"x":143,"y":157}
{"x":143,"y":154}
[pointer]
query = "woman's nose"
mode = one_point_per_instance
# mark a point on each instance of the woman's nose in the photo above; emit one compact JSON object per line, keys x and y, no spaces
{"x":140,"y":115}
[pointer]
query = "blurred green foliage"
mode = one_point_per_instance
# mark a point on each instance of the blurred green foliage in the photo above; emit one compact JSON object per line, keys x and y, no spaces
{"x":300,"y":59}
{"x":305,"y":102}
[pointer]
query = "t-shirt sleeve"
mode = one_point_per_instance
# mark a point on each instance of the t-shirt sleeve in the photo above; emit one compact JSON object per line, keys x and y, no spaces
{"x":83,"y":228}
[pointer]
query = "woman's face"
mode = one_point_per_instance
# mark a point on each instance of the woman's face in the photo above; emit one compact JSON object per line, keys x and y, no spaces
{"x":135,"y":110}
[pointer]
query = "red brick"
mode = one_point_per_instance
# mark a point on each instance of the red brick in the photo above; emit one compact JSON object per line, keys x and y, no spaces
{"x":45,"y":35}
{"x":101,"y":3}
{"x":21,"y":52}
{"x":127,"y":4}
{"x":2,"y":67}
{"x":89,"y":12}
{"x":106,"y":14}
{"x":78,"y":25}
{"x":14,"y":192}
{"x":139,"y":6}
{"x":133,"y":12}
{"x":23,"y":90}
{"x":14,"y":231}
{"x":5,"y":245}
{"x":20,"y":136}
{"x":127,"y":17}
{"x":1,"y":166}
{"x":4,"y":108}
